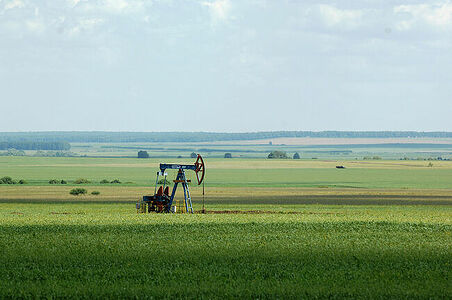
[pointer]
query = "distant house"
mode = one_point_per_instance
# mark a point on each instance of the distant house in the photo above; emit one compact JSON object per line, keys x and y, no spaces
{"x":340,"y":167}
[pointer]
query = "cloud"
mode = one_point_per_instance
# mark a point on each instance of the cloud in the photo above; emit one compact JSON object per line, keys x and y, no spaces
{"x":112,"y":6}
{"x":437,"y":15}
{"x":14,"y":4}
{"x":86,"y":24}
{"x":36,"y":26}
{"x":333,"y":16}
{"x":73,"y":2}
{"x":219,"y":9}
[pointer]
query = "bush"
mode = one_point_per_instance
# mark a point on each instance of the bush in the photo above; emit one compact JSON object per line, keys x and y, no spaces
{"x":115,"y":181}
{"x":22,"y":181}
{"x":143,"y":154}
{"x":227,"y":155}
{"x":95,"y":193}
{"x":78,"y":191}
{"x":82,"y":181}
{"x":53,"y":181}
{"x":63,"y":181}
{"x":7,"y":180}
{"x":14,"y":152}
{"x":277,"y":154}
{"x":104,"y":181}
{"x":296,"y":155}
{"x":193,"y":155}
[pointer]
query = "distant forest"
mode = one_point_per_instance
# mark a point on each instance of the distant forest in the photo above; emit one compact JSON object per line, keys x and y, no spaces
{"x":35,"y":145}
{"x":32,"y":140}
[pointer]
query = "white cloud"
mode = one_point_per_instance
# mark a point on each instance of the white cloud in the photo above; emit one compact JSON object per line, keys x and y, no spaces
{"x":437,"y":15}
{"x":85,"y":25}
{"x":35,"y":26}
{"x":219,"y":9}
{"x":114,"y":6}
{"x":14,"y":4}
{"x":333,"y":16}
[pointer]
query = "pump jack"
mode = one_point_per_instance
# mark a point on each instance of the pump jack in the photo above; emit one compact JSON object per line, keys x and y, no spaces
{"x":161,"y":201}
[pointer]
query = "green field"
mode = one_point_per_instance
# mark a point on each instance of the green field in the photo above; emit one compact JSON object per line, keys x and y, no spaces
{"x":238,"y":172}
{"x":380,"y":229}
{"x":107,"y":250}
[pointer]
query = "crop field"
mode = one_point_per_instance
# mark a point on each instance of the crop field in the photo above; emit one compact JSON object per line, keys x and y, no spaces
{"x":107,"y":250}
{"x":308,"y":148}
{"x":239,"y":172}
{"x":273,"y":229}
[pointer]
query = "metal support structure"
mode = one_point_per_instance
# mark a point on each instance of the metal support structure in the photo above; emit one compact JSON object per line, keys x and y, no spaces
{"x":161,"y":201}
{"x":182,"y":179}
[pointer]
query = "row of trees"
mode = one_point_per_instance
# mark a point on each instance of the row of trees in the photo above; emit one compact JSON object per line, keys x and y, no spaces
{"x":9,"y":180}
{"x":34,"y":145}
{"x":282,"y":155}
{"x":119,"y":137}
{"x":145,"y":154}
{"x":82,"y":191}
{"x":39,"y":153}
{"x":273,"y":154}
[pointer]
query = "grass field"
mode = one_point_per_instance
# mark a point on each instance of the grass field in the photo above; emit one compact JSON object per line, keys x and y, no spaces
{"x":107,"y":250}
{"x":321,"y":148}
{"x":240,"y":172}
{"x":379,"y":229}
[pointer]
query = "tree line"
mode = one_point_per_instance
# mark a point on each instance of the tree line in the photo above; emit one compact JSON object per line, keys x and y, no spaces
{"x":35,"y":145}
{"x":120,"y":137}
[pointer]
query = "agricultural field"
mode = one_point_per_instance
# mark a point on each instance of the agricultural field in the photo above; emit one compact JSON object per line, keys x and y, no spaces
{"x":107,"y":250}
{"x":308,"y":148}
{"x":273,"y":229}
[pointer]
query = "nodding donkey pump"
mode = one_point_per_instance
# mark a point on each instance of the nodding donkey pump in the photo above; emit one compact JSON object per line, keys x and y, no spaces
{"x":162,"y":201}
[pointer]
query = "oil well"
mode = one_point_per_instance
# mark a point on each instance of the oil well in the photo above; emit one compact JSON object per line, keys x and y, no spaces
{"x":162,"y":201}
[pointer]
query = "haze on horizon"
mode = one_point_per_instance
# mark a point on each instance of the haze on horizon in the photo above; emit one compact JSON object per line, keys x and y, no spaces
{"x":225,"y":65}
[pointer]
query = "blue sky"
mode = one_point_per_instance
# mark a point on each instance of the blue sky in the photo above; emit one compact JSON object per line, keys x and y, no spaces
{"x":224,"y":65}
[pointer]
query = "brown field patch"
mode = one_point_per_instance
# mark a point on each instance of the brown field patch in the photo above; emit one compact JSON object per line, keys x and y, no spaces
{"x":336,"y":141}
{"x":237,"y":195}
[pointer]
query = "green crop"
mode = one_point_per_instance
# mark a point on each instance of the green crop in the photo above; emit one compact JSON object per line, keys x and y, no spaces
{"x":107,"y":250}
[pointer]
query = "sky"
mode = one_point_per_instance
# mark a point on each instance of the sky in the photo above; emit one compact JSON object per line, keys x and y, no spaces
{"x":225,"y":65}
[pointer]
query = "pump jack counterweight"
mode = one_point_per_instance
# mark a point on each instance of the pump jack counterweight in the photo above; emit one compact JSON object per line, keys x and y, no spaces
{"x":161,"y":201}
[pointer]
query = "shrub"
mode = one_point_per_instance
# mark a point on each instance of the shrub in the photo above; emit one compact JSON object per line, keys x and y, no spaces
{"x":53,"y":181}
{"x":22,"y":181}
{"x":115,"y":181}
{"x":143,"y":154}
{"x":95,"y":193}
{"x":78,"y":191}
{"x":63,"y":181}
{"x":296,"y":155}
{"x":193,"y":155}
{"x":227,"y":155}
{"x":82,"y":181}
{"x":7,"y":180}
{"x":277,"y":154}
{"x":104,"y":181}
